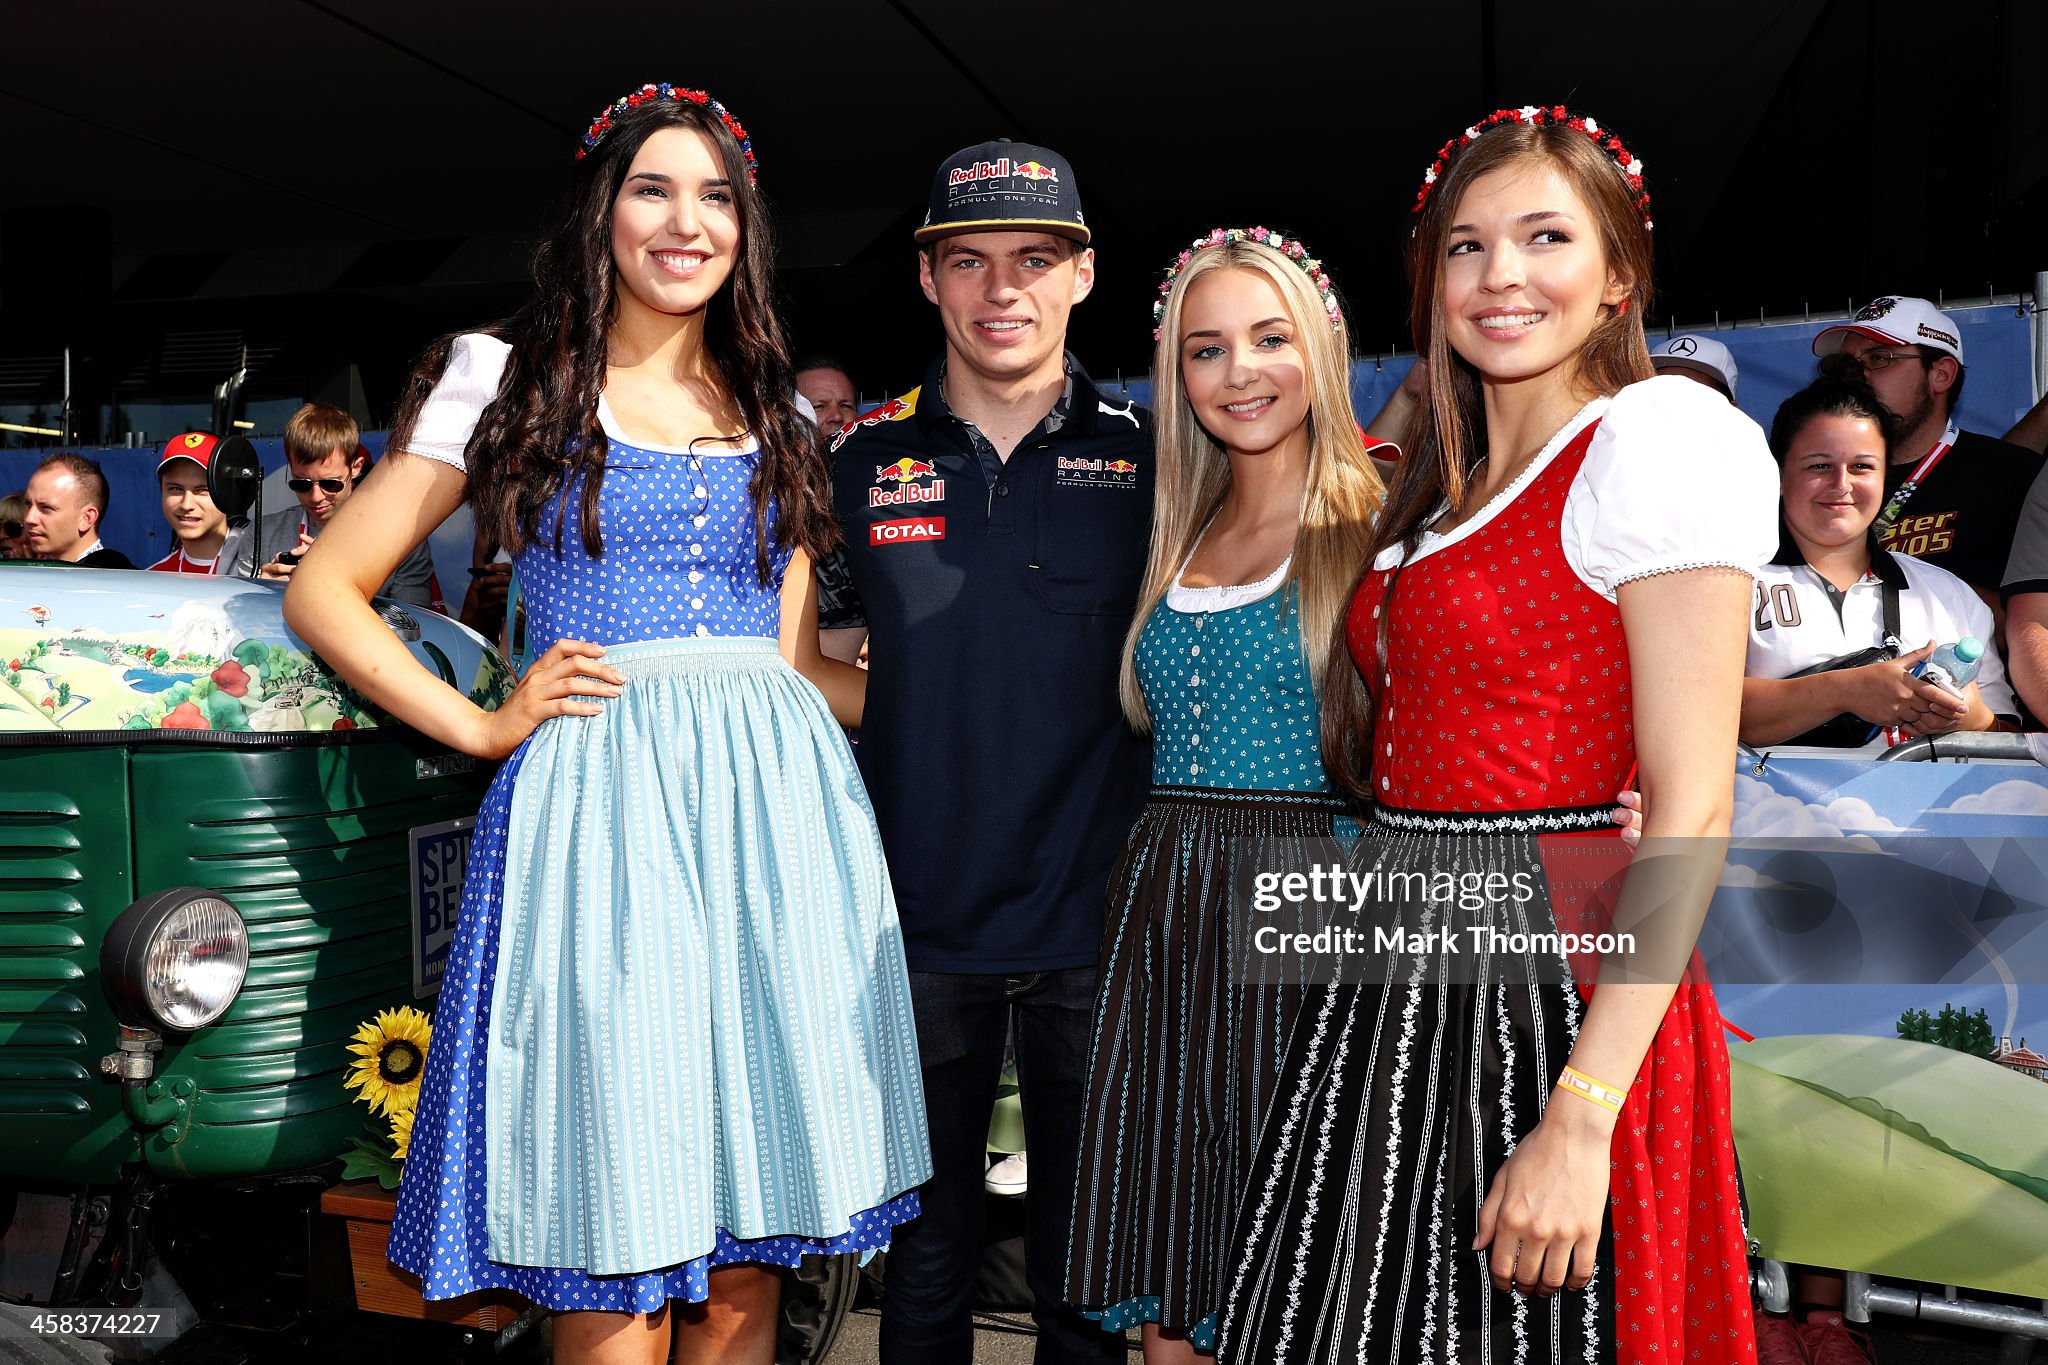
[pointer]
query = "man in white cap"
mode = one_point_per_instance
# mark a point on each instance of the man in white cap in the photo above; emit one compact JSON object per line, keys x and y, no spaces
{"x":1697,"y":358}
{"x":1953,"y":497}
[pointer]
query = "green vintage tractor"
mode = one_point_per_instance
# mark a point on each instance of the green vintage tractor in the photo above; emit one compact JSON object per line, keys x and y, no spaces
{"x":216,"y":861}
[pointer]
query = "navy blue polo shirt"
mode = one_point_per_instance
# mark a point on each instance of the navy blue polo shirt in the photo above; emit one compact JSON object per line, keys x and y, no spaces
{"x":996,"y":595}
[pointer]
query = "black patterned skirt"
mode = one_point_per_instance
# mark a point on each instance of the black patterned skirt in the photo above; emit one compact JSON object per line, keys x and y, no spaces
{"x":1187,"y":1046}
{"x":1399,"y":1099}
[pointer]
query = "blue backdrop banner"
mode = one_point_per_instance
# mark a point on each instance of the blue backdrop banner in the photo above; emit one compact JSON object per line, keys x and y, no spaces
{"x":1777,"y":361}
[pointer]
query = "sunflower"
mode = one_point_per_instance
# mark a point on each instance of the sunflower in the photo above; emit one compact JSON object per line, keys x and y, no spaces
{"x":401,"y":1133}
{"x":391,"y":1053}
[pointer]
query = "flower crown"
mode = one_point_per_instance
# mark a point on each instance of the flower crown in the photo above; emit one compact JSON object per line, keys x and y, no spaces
{"x":1289,"y":247}
{"x":602,"y":124}
{"x":1631,"y":168}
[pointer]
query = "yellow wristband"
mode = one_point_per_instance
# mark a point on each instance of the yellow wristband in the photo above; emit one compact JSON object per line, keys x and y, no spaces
{"x":1585,"y":1087}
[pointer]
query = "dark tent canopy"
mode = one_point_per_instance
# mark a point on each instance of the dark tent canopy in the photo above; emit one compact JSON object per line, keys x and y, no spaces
{"x":321,"y":187}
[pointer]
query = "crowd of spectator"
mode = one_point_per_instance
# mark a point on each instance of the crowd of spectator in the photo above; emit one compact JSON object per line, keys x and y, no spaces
{"x":1901,"y":532}
{"x":58,"y":515}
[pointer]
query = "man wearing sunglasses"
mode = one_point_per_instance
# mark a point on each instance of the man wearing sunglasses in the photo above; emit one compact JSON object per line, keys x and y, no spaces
{"x":1952,"y":497}
{"x":322,"y":445}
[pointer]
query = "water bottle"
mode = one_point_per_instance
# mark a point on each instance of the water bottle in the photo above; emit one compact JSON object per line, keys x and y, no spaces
{"x":1953,"y":666}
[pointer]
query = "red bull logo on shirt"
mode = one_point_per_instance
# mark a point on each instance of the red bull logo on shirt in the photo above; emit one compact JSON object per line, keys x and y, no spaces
{"x":905,"y":470}
{"x":901,"y":482}
{"x":895,"y":410}
{"x":1077,"y":471}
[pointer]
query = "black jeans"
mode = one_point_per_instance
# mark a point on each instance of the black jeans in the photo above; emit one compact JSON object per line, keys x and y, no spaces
{"x":961,"y":1024}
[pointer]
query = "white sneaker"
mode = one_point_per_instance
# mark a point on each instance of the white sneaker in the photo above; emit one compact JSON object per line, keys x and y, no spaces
{"x":1006,"y":1176}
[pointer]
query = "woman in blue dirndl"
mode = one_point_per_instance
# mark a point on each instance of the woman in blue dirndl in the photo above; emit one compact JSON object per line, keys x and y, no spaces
{"x":674,"y":1046}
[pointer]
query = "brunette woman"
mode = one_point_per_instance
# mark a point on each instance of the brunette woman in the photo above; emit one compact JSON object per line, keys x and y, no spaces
{"x":674,"y":1046}
{"x":1479,"y":1155}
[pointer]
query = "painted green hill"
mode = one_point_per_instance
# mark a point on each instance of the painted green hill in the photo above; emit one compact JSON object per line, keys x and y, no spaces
{"x":1896,"y":1158}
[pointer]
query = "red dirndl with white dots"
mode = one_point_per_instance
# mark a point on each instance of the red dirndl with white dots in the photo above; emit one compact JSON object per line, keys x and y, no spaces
{"x":1503,"y":694}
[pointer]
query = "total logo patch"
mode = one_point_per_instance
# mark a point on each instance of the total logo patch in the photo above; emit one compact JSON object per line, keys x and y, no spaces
{"x":902,"y":482}
{"x":906,"y":530}
{"x":1076,"y":470}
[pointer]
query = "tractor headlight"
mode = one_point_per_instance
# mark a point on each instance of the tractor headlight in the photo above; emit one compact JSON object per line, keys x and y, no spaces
{"x":175,"y":960}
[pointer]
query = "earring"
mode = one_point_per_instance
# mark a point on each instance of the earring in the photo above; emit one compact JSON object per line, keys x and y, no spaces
{"x":1622,"y":307}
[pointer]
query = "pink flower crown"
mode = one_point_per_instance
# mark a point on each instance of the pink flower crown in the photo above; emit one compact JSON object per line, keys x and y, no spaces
{"x":1288,"y":247}
{"x":1631,"y":168}
{"x":602,"y":124}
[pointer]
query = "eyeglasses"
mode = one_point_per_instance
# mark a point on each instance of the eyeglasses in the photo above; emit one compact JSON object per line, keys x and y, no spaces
{"x":12,"y":529}
{"x":306,"y":485}
{"x":1873,"y":361}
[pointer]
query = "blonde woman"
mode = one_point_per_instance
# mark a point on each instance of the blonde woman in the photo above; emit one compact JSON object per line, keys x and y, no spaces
{"x":1266,"y":498}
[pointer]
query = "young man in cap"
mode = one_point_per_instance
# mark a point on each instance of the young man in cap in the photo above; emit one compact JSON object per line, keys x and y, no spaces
{"x":322,"y":444}
{"x":1953,"y":497}
{"x":196,"y":524}
{"x":67,"y":497}
{"x":1698,"y":358}
{"x":997,"y":520}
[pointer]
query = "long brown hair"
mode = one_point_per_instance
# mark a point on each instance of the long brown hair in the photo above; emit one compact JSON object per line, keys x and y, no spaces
{"x":1447,"y":440}
{"x":542,"y":431}
{"x":1343,"y":490}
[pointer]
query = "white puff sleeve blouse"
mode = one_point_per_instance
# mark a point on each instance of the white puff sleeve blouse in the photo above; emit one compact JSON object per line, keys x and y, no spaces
{"x":448,"y":418}
{"x":1676,"y":477}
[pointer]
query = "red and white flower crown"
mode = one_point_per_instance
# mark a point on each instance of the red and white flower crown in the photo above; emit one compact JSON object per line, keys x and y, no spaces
{"x":1626,"y":161}
{"x":602,"y":124}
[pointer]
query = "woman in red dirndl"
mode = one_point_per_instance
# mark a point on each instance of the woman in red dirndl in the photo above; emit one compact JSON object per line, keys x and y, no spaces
{"x":1488,"y":1157}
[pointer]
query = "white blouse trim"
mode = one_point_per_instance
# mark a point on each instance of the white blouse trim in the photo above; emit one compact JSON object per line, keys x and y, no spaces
{"x":615,"y":432}
{"x":1223,"y":596}
{"x":476,"y":364}
{"x":1431,"y":541}
{"x":1675,"y":479}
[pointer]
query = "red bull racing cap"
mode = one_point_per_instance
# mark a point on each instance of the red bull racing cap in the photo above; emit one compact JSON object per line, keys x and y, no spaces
{"x":1004,"y":186}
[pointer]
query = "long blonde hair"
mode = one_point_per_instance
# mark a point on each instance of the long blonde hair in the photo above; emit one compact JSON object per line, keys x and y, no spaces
{"x":1193,"y":471}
